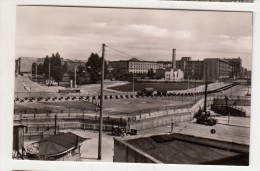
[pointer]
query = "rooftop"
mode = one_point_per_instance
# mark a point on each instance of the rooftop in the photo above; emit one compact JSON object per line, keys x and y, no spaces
{"x":169,"y":148}
{"x":55,"y":145}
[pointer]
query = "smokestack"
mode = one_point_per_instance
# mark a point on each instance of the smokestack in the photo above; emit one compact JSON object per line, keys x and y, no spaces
{"x":173,"y":59}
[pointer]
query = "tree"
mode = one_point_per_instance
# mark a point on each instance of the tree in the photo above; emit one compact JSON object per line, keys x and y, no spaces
{"x":65,"y":67}
{"x":94,"y":66}
{"x":46,"y":66}
{"x":40,"y":70}
{"x":82,"y":75}
{"x":34,"y":68}
{"x":56,"y":69}
{"x":150,"y":72}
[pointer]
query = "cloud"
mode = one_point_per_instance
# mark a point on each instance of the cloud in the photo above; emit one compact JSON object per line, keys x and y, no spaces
{"x":182,"y":34}
{"x":100,"y":24}
{"x":147,"y":30}
{"x":235,"y":43}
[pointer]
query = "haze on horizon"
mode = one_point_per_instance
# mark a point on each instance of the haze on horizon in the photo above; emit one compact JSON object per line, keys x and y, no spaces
{"x":76,"y":32}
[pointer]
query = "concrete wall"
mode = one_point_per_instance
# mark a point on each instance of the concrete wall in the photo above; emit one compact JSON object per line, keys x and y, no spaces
{"x":164,"y":117}
{"x":238,"y":102}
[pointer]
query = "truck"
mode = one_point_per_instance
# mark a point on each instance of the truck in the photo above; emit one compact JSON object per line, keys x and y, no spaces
{"x":145,"y":92}
{"x":204,"y":118}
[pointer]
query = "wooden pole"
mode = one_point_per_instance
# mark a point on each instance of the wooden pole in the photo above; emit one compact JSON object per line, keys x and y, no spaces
{"x":75,"y":78}
{"x":55,"y":124}
{"x":101,"y":103}
{"x":36,"y":73}
{"x":206,"y":87}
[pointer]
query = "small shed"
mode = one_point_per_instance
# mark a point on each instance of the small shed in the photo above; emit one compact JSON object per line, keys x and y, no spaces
{"x":63,"y":146}
{"x":18,"y":139}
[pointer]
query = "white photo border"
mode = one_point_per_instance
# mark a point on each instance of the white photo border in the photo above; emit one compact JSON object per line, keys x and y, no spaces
{"x":7,"y":65}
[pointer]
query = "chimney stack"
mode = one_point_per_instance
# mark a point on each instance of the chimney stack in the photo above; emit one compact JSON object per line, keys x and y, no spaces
{"x":173,"y":59}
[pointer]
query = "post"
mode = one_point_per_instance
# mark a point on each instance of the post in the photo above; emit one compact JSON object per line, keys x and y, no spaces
{"x":133,"y":84}
{"x":55,"y":124}
{"x":206,"y":87}
{"x":101,"y":103}
{"x":49,"y":70}
{"x":188,"y":83}
{"x":75,"y":78}
{"x":36,"y":73}
{"x":226,"y":99}
{"x":49,"y":73}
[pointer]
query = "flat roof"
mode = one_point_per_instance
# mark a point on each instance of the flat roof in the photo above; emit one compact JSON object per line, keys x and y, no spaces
{"x":168,"y":149}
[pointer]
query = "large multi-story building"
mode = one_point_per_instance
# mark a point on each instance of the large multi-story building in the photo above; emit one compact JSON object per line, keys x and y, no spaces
{"x":212,"y":69}
{"x":237,"y":63}
{"x":192,"y":69}
{"x":135,"y":66}
{"x":217,"y":69}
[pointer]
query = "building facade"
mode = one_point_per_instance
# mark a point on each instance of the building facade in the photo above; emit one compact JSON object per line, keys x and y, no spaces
{"x":23,"y":65}
{"x":71,"y":64}
{"x":135,"y":66}
{"x":169,"y":74}
{"x":217,"y":69}
{"x":192,"y":69}
{"x":237,"y":63}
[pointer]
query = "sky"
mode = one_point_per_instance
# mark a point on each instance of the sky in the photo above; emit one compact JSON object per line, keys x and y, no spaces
{"x":147,"y":34}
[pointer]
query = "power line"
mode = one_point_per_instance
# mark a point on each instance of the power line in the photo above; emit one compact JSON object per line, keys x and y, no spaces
{"x":121,"y":52}
{"x":99,"y":51}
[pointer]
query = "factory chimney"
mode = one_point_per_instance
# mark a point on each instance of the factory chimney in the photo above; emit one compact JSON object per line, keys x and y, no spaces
{"x":174,"y":59}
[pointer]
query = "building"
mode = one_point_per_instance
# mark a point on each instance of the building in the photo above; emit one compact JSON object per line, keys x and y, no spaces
{"x":60,"y":147}
{"x":71,"y":64}
{"x":214,"y":68}
{"x":217,"y":69}
{"x":180,"y":149}
{"x":18,"y":140}
{"x":237,"y":63}
{"x":134,"y":65}
{"x":23,"y":65}
{"x":169,"y":74}
{"x":192,"y":69}
{"x":66,"y":81}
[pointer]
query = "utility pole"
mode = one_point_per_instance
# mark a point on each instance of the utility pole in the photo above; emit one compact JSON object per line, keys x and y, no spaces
{"x":55,"y":124}
{"x":75,"y":78}
{"x":36,"y":73}
{"x":133,"y":84}
{"x":101,"y":103}
{"x":206,"y":87}
{"x":49,"y":73}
